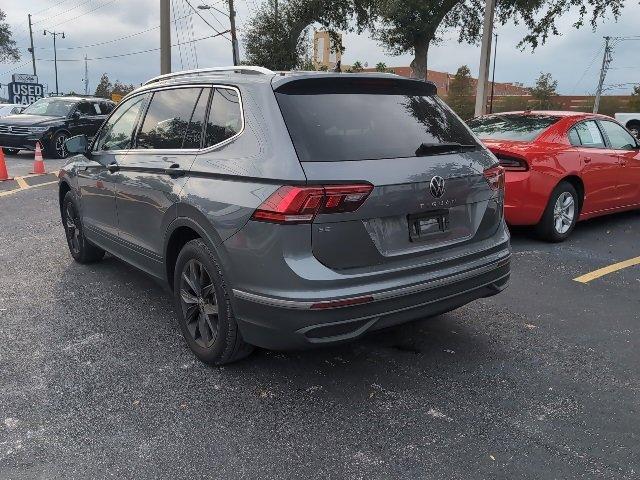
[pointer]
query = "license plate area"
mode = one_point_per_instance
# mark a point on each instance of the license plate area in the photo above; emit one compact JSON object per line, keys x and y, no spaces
{"x":423,"y":226}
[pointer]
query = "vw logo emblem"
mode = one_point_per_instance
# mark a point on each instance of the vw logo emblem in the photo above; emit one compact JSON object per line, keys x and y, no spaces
{"x":436,"y":186}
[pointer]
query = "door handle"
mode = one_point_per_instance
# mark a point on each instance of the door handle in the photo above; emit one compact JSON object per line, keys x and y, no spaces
{"x":113,"y":167}
{"x":587,"y":159}
{"x":623,"y":162}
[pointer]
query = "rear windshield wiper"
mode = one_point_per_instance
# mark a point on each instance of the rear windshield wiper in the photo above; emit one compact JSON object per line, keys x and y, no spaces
{"x":434,"y":148}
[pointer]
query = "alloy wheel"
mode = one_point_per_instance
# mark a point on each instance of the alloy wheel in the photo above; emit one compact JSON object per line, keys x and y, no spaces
{"x":564,"y":212}
{"x":199,"y":303}
{"x":72,"y":229}
{"x":61,"y":149}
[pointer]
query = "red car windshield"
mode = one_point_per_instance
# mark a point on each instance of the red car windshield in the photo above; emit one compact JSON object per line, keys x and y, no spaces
{"x":525,"y":128}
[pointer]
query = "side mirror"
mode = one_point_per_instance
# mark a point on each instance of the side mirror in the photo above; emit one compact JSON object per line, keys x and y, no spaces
{"x":77,"y":144}
{"x":76,"y":114}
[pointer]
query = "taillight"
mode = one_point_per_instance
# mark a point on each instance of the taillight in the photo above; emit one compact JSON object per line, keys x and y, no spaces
{"x":495,"y":177}
{"x":513,"y":164}
{"x":291,"y":204}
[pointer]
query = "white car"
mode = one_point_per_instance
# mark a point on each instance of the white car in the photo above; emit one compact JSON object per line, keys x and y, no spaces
{"x":10,"y":109}
{"x":631,"y":121}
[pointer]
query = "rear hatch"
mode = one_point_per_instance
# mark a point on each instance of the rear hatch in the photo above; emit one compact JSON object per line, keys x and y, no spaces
{"x":434,"y":187}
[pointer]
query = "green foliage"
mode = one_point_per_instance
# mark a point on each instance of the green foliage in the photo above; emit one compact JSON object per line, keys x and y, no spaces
{"x":510,"y":104}
{"x":356,"y":67}
{"x":461,"y":98}
{"x":105,"y":88}
{"x":281,"y":43}
{"x":8,"y":50}
{"x":634,"y":101}
{"x":544,"y":91}
{"x":381,"y":67}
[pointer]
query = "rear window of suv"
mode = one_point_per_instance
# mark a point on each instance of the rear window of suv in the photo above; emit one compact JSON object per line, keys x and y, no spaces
{"x":366,"y":119}
{"x":525,"y":128}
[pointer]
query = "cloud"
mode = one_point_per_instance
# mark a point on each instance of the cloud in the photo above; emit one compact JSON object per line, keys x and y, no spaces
{"x":566,"y":57}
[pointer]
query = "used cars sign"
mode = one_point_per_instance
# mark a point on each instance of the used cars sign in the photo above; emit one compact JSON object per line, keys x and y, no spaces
{"x":25,"y":93}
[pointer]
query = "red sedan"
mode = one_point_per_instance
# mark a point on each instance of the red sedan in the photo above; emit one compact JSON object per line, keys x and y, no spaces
{"x":562,"y":167}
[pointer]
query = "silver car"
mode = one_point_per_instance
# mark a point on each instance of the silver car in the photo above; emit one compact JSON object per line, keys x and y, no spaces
{"x":288,"y":210}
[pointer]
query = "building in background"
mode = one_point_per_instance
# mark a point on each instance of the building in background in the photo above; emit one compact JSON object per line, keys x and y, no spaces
{"x":442,"y":80}
{"x":325,"y":55}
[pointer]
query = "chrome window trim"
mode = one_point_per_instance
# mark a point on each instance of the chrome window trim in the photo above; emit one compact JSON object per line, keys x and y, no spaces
{"x":195,"y":151}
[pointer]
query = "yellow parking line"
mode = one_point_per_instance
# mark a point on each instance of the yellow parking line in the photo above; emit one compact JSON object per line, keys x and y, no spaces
{"x":21,"y":182}
{"x":601,"y":272}
{"x":28,"y":187}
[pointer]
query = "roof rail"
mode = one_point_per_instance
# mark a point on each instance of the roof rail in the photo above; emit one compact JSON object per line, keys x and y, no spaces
{"x":238,"y":68}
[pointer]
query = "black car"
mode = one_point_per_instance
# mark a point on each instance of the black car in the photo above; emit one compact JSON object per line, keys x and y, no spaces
{"x":51,"y":121}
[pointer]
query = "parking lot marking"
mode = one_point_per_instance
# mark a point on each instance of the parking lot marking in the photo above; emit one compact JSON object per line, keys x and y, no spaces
{"x":21,"y":182}
{"x":26,"y":187}
{"x":601,"y":272}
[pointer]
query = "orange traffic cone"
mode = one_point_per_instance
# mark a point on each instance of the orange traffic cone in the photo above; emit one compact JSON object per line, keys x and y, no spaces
{"x":4,"y":175}
{"x":38,"y":162}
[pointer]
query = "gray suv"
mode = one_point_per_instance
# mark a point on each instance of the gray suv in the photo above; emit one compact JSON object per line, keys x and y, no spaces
{"x":285,"y":210}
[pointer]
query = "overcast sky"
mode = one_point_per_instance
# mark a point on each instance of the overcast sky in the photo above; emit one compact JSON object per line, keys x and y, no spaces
{"x":573,"y":58}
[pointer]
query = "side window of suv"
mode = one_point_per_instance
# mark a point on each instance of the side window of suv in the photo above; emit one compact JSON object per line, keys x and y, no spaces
{"x":174,"y":119}
{"x":619,"y":138}
{"x":589,"y":134}
{"x":86,"y":109}
{"x":225,"y":117}
{"x":117,"y":132}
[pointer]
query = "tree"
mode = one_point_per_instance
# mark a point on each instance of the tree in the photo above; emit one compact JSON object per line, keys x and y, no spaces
{"x":279,"y":41}
{"x":105,"y":88}
{"x":634,"y":101}
{"x":460,"y":97}
{"x":381,"y":67}
{"x":544,"y":91}
{"x":356,"y":67}
{"x":8,"y":50}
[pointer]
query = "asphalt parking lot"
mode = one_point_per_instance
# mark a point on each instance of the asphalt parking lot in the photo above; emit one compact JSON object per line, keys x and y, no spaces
{"x":541,"y":381}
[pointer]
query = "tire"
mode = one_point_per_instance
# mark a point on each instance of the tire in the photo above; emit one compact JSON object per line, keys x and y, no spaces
{"x":80,"y":248}
{"x":11,"y":151}
{"x":561,"y":214}
{"x":205,"y":315}
{"x":56,"y":148}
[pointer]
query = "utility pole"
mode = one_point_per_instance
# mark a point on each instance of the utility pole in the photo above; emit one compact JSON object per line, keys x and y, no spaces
{"x":234,"y":38}
{"x":606,"y":60}
{"x":485,"y":58}
{"x":86,"y":76}
{"x":55,"y":53}
{"x":493,"y":78}
{"x":33,"y":52}
{"x":165,"y":36}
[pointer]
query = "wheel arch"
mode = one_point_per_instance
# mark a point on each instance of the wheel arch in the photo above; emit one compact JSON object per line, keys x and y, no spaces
{"x":576,"y":182}
{"x":189,"y":226}
{"x":63,"y":188}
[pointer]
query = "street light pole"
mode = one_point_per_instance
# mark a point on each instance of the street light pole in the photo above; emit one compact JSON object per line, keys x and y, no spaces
{"x":234,"y":38}
{"x":493,"y":79}
{"x":165,"y":36}
{"x":485,"y":58}
{"x":55,"y":53}
{"x":33,"y":52}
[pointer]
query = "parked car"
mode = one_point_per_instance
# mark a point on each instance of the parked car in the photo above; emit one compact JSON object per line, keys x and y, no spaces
{"x":631,"y":121}
{"x":293,"y":209}
{"x":51,"y":121}
{"x":10,"y":109}
{"x":562,"y":167}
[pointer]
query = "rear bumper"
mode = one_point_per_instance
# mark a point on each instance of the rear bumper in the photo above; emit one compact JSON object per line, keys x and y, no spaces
{"x":281,"y":324}
{"x":525,"y":198}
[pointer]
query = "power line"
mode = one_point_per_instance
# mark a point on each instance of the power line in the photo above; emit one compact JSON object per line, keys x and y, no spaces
{"x":50,"y":7}
{"x":63,"y":12}
{"x":203,"y":19}
{"x":85,"y":13}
